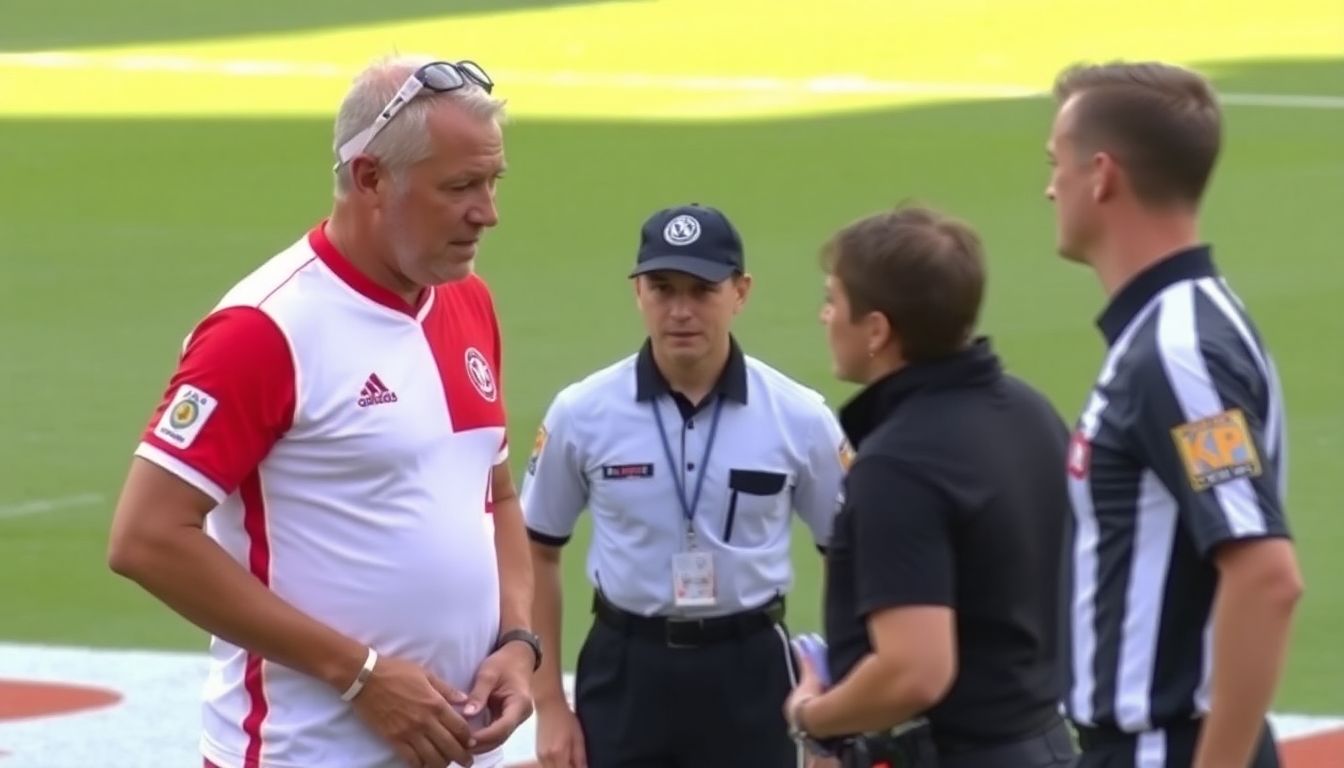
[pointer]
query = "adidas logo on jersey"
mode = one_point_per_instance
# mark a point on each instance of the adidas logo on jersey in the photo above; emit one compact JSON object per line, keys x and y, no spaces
{"x":375,"y":392}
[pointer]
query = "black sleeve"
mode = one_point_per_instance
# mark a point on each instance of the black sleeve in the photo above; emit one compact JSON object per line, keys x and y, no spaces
{"x":902,"y":537}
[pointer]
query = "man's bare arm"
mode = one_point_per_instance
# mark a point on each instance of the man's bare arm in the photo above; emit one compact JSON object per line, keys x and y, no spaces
{"x":911,"y":668}
{"x":1258,"y":586}
{"x":158,"y":541}
{"x":546,"y":615}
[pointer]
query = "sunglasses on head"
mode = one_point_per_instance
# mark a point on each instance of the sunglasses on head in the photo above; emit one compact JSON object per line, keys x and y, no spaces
{"x":436,"y":76}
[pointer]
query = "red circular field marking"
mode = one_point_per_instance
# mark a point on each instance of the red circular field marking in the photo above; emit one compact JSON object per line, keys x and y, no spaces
{"x":1321,"y":750}
{"x":23,"y":699}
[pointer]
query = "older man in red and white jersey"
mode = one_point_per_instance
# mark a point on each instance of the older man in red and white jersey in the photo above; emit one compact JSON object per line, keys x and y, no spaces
{"x":323,"y":487}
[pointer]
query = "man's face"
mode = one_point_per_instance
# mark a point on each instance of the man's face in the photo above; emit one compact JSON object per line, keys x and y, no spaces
{"x":848,"y":340}
{"x":1071,"y":187}
{"x":688,"y":318}
{"x":435,"y":212}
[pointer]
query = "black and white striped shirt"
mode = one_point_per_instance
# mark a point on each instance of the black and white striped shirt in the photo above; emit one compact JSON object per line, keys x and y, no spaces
{"x":1180,"y":448}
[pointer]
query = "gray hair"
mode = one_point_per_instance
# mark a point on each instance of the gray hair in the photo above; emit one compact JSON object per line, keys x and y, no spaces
{"x":404,"y":141}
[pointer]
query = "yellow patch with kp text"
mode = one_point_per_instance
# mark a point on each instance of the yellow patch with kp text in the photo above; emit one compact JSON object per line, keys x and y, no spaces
{"x":1217,"y":449}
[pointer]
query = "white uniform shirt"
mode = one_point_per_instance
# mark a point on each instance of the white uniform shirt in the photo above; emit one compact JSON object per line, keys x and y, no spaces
{"x":349,"y":440}
{"x":777,"y":450}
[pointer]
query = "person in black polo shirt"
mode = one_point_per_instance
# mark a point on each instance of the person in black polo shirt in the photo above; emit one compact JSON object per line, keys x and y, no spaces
{"x":942,"y":578}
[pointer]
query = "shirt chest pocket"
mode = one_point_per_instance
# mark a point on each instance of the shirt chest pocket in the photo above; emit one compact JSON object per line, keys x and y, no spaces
{"x":758,"y":507}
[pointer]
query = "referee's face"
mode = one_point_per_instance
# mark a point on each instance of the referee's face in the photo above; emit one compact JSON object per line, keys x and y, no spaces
{"x":689,"y":319}
{"x":1070,"y":187}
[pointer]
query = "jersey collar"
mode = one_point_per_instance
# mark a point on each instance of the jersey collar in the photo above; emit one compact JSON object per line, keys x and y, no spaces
{"x":975,"y":365}
{"x":732,"y":383}
{"x":1189,"y":264}
{"x":357,"y":280}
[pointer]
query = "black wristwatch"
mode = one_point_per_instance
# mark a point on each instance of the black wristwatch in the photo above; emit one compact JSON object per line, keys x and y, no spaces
{"x":523,"y":636}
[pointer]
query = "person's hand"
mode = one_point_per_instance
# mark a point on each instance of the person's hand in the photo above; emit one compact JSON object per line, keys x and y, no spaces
{"x":412,"y":710}
{"x":560,"y":737}
{"x":818,"y":761}
{"x":809,"y":685}
{"x":503,"y":686}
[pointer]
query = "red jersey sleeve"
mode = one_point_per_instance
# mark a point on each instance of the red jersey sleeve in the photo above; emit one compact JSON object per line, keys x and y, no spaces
{"x":231,"y":398}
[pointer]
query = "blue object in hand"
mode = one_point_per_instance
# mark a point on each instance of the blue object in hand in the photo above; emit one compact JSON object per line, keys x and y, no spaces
{"x":812,"y":647}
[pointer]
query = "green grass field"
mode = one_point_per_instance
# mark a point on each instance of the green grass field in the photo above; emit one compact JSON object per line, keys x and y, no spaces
{"x":134,"y":198}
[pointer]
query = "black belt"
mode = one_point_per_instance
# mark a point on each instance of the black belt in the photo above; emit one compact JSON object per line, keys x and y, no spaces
{"x":1051,"y":746}
{"x":688,"y":633}
{"x":1093,"y":736}
{"x":916,"y":747}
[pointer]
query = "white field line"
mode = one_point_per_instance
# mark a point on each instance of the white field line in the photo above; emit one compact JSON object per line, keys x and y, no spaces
{"x":41,"y":506}
{"x":840,"y":84}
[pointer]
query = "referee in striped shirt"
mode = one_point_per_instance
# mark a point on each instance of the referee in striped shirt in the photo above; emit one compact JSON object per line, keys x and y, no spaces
{"x":1183,"y":576}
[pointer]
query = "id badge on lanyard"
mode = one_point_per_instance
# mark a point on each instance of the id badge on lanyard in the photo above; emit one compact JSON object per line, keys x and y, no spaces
{"x":693,"y":580}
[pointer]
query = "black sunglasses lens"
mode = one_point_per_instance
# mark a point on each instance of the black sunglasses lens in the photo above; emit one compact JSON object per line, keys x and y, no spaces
{"x":474,"y":71}
{"x":441,"y":77}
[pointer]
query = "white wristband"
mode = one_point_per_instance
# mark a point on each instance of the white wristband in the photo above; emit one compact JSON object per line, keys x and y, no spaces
{"x":365,"y":673}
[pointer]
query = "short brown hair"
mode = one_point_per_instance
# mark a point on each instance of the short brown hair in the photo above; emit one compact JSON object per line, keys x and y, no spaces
{"x":1161,"y":122}
{"x":922,"y":270}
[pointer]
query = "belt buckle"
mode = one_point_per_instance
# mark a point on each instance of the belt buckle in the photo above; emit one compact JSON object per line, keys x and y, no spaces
{"x":669,"y":629}
{"x":913,"y":724}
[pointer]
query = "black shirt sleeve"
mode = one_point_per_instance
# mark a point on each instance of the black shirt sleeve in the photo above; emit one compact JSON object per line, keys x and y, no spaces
{"x":902,"y":537}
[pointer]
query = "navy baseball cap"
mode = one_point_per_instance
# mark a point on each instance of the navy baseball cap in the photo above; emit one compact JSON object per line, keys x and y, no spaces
{"x":695,"y":239}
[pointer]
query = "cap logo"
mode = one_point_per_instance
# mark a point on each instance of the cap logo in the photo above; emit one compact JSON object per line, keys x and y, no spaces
{"x":682,"y":230}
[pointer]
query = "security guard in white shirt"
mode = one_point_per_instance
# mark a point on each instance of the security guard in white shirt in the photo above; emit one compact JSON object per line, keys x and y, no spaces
{"x":689,"y":456}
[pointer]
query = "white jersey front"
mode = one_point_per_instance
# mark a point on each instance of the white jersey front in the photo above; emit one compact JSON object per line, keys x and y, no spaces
{"x":349,"y":439}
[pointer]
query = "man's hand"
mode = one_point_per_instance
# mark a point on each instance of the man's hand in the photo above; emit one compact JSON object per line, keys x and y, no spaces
{"x":809,"y":686}
{"x":504,"y":687}
{"x":413,"y":711}
{"x":560,"y":737}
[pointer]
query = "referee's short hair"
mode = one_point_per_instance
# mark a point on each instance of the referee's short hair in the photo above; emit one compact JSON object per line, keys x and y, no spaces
{"x":1160,"y":122}
{"x":923,"y":270}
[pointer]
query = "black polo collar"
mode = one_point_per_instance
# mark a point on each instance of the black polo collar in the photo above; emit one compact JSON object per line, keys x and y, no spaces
{"x":732,"y":383}
{"x":975,"y":365}
{"x":1189,"y":264}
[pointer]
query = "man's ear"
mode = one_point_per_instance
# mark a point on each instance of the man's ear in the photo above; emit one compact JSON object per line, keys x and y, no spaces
{"x":1106,"y":176}
{"x":365,"y":175}
{"x":742,"y":284}
{"x":878,"y":331}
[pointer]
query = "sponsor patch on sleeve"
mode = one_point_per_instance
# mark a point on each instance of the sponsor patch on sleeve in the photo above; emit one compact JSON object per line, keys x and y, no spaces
{"x":846,"y":452}
{"x":1217,"y":449}
{"x":185,"y":415}
{"x":537,"y":445}
{"x":1080,"y":455}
